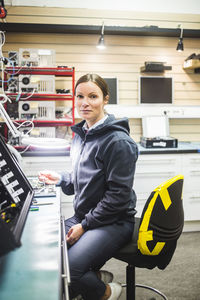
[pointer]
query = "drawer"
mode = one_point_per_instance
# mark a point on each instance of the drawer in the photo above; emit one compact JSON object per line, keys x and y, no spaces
{"x":191,"y":204}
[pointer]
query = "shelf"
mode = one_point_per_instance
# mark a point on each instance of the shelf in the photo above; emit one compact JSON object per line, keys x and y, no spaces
{"x":49,"y":123}
{"x":41,"y":97}
{"x":138,"y":111}
{"x":59,"y":71}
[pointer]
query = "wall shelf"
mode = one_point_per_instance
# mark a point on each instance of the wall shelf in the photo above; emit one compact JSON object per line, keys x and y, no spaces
{"x":138,"y":111}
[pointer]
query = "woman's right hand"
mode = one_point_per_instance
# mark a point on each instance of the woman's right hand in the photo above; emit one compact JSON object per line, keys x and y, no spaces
{"x":49,"y":177}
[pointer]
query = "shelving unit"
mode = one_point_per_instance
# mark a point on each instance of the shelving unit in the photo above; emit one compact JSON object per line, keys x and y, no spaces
{"x":58,"y":72}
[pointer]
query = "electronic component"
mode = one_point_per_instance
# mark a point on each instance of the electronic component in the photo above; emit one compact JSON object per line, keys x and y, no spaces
{"x":37,"y":84}
{"x":33,"y":57}
{"x":41,"y":189}
{"x":16,"y":195}
{"x":45,"y":132}
{"x":40,"y":110}
{"x":13,"y":59}
{"x":13,"y":86}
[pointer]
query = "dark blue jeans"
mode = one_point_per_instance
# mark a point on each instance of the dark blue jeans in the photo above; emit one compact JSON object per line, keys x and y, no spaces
{"x":90,"y":253}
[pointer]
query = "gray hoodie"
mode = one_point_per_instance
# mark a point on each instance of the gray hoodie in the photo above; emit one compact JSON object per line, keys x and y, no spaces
{"x":103,"y":163}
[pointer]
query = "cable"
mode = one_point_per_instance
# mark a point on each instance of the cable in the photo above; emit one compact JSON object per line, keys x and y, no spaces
{"x":27,"y":147}
{"x":29,"y":95}
{"x":30,"y":122}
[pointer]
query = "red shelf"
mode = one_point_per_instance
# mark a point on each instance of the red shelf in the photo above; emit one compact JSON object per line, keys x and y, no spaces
{"x":56,"y":71}
{"x":49,"y":123}
{"x":41,"y":97}
{"x":59,"y":71}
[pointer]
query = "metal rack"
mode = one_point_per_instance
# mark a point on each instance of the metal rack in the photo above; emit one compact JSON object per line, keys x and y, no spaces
{"x":58,"y":72}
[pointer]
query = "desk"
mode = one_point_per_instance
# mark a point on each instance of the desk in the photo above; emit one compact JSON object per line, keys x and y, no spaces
{"x":33,"y":271}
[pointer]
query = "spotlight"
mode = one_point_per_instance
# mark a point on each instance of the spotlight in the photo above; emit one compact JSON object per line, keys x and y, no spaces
{"x":101,"y":44}
{"x":180,"y":46}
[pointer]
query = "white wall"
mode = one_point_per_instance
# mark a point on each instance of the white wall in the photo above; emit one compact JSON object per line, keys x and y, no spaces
{"x":171,"y":6}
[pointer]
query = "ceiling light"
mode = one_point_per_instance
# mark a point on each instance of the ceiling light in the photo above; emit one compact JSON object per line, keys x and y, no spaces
{"x":180,"y":46}
{"x":101,"y":44}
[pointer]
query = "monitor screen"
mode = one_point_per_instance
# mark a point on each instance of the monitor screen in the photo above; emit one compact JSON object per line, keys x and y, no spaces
{"x":155,"y":90}
{"x":112,"y":87}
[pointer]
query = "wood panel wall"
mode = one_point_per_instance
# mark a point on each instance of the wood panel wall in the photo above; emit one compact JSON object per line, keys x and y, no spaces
{"x":123,"y":56}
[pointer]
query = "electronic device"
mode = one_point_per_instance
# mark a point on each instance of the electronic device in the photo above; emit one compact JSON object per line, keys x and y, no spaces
{"x":13,"y":57}
{"x":16,"y":195}
{"x":40,"y":110}
{"x":13,"y":84}
{"x":33,"y":57}
{"x":42,"y":132}
{"x":159,"y":142}
{"x":154,"y":66}
{"x":37,"y":84}
{"x":155,"y":90}
{"x":41,"y":189}
{"x":156,"y":133}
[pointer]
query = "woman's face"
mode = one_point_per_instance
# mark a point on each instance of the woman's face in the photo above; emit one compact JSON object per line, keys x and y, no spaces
{"x":90,"y":102}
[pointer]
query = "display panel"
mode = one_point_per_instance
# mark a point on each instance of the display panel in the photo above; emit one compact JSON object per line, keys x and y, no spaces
{"x":16,"y":195}
{"x":155,"y":90}
{"x":112,"y":86}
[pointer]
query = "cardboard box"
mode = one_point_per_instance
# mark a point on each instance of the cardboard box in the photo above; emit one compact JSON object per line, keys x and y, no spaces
{"x":191,"y":64}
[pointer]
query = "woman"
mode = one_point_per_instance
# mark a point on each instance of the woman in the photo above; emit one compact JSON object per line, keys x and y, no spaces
{"x":103,"y":160}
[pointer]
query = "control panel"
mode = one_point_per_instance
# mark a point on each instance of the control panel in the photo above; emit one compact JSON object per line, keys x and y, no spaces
{"x":16,"y":195}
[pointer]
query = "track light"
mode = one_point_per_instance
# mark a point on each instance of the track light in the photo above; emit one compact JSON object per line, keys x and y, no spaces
{"x":101,"y":44}
{"x":180,"y":46}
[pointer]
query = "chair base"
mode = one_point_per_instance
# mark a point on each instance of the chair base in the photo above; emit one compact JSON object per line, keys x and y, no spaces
{"x":152,"y":289}
{"x":148,"y":288}
{"x":131,"y":285}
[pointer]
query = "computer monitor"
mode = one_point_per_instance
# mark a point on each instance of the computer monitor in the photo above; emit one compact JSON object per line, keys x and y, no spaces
{"x":155,"y":90}
{"x":113,"y":89}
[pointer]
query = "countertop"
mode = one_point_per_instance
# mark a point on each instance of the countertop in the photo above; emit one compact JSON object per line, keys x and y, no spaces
{"x":183,"y":147}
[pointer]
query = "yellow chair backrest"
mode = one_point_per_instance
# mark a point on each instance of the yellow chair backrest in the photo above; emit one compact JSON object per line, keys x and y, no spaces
{"x":162,"y":218}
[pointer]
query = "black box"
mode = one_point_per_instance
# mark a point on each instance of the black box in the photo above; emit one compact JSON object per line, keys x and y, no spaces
{"x":159,"y":142}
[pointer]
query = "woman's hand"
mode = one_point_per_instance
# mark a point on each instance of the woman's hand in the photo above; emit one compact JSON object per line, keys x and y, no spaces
{"x":74,"y":234}
{"x":49,"y":177}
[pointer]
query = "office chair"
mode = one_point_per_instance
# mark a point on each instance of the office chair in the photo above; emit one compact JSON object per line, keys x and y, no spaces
{"x":155,"y":235}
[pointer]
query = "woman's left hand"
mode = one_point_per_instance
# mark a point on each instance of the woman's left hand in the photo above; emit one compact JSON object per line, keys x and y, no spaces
{"x":74,"y":234}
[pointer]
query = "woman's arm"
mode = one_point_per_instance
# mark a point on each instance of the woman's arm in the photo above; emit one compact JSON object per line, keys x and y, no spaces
{"x":64,"y":180}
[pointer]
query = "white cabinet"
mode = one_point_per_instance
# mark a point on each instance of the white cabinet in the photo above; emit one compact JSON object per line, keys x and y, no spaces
{"x":153,"y":169}
{"x":191,"y":195}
